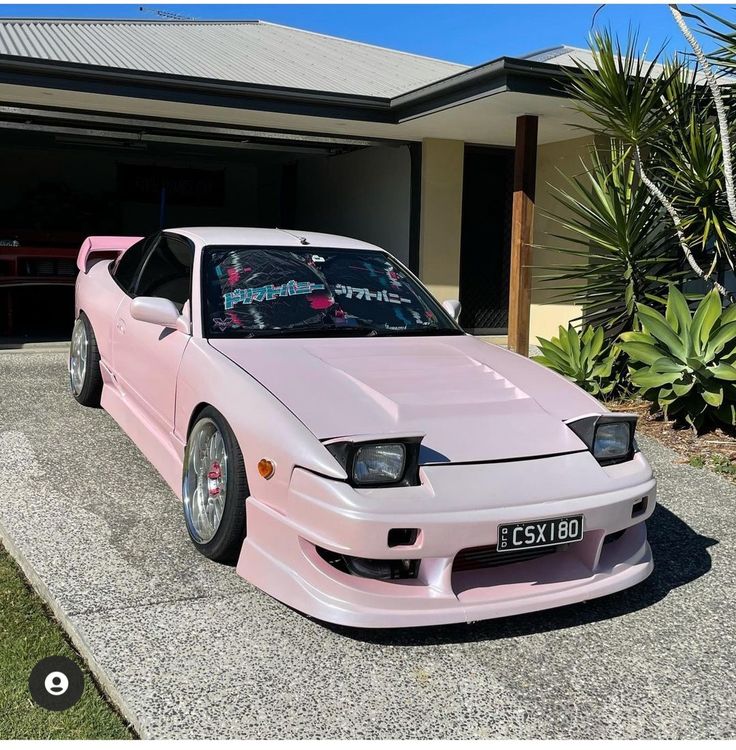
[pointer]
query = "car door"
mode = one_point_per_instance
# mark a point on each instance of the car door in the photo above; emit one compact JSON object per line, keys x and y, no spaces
{"x":146,"y":356}
{"x":123,"y":272}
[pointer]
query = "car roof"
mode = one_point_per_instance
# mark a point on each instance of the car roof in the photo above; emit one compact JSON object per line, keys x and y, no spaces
{"x":268,"y":237}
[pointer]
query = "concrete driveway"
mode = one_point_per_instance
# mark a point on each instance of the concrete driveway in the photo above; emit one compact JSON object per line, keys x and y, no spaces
{"x":188,"y":649}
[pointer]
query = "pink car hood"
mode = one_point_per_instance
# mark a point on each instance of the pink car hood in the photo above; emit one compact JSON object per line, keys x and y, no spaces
{"x":471,"y":401}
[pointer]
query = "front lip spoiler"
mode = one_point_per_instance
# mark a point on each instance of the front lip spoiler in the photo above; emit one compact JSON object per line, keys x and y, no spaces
{"x":295,"y":577}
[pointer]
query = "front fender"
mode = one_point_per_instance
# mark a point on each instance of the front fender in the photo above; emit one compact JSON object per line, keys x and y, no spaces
{"x":263,"y":425}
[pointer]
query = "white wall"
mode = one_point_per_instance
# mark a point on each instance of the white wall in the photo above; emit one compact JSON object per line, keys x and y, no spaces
{"x":362,"y":194}
{"x":442,"y":215}
{"x":556,"y":163}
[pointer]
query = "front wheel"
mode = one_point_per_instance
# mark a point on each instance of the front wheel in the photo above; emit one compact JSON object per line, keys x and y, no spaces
{"x":85,"y":378}
{"x":214,"y":488}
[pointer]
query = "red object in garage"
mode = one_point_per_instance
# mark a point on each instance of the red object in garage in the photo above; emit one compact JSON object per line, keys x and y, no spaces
{"x":31,"y":264}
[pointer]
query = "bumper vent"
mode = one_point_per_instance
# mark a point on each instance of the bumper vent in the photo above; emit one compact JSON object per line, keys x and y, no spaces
{"x":474,"y":558}
{"x":615,"y":536}
{"x":383,"y":570}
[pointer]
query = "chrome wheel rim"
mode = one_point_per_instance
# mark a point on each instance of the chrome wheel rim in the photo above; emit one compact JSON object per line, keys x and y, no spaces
{"x":205,"y":481}
{"x":78,"y":357}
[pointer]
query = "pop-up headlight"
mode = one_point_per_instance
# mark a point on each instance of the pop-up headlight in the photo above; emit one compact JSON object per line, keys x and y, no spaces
{"x":609,"y":437}
{"x":379,"y":464}
{"x":384,"y":463}
{"x":612,"y":441}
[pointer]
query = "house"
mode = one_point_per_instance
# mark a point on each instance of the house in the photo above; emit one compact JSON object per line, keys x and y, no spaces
{"x":121,"y":127}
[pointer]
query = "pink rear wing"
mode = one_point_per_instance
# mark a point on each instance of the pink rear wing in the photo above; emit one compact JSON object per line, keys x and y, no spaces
{"x":98,"y":248}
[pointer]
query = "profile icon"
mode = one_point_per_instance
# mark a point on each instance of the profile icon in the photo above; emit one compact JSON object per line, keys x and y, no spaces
{"x":56,"y":683}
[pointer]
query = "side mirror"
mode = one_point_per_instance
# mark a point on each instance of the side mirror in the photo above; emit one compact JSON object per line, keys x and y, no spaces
{"x":453,"y":307}
{"x":158,"y":311}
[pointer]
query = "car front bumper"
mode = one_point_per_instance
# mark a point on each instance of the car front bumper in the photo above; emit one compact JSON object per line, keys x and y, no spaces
{"x":457,"y":507}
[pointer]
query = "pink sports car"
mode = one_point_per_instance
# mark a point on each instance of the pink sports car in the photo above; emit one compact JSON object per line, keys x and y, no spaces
{"x":330,"y":428}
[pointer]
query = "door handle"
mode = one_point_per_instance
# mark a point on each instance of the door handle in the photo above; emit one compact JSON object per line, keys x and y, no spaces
{"x":120,"y":325}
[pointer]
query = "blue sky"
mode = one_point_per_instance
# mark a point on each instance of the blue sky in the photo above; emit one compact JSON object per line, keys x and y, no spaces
{"x":468,"y":34}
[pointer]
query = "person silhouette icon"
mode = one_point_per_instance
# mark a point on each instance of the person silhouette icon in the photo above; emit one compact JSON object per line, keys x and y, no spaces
{"x":56,"y":683}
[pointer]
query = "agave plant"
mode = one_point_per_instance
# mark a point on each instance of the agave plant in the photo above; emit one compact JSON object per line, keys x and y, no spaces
{"x":684,"y":362}
{"x":587,"y":359}
{"x":617,"y":248}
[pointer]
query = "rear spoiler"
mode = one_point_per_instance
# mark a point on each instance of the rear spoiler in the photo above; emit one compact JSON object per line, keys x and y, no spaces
{"x":98,"y":248}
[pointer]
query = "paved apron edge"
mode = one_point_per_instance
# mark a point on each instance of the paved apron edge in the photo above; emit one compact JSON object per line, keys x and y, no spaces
{"x":75,"y":635}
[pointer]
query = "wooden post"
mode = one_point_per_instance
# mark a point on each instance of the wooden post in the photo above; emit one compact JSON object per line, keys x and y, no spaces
{"x":522,"y":221}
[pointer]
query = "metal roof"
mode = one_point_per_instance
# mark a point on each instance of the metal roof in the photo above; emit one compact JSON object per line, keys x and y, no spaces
{"x":561,"y":55}
{"x":253,"y":52}
{"x":570,"y":56}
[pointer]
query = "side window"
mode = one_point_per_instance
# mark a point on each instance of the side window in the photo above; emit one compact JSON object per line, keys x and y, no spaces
{"x":125,"y":271}
{"x":167,"y":270}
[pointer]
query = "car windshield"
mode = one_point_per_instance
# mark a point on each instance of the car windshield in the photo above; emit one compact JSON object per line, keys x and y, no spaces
{"x":261,"y":291}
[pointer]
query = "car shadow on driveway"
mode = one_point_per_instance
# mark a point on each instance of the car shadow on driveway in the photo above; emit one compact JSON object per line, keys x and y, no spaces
{"x":680,"y":557}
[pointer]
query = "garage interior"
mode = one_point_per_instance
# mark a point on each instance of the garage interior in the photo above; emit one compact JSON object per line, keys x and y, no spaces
{"x":64,"y":182}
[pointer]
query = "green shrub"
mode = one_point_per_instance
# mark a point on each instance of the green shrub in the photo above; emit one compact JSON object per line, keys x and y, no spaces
{"x":587,"y":359}
{"x":684,"y":362}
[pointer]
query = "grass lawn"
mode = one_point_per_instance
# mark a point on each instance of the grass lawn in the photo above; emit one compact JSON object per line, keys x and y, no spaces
{"x":28,"y":634}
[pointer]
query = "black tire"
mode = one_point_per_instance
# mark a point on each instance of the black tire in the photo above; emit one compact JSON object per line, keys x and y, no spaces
{"x":90,"y":390}
{"x":224,"y":546}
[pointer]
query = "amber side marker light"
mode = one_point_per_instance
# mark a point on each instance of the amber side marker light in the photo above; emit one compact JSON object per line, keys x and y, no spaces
{"x":266,"y":468}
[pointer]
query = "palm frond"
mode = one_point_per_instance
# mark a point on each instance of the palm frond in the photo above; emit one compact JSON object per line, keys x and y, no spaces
{"x":612,"y":242}
{"x":622,"y":92}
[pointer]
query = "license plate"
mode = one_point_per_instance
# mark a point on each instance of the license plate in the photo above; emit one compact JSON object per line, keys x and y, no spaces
{"x":531,"y":534}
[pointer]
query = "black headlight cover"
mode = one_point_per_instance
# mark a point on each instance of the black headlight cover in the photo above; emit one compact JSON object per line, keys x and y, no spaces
{"x":345,"y":452}
{"x":586,"y":427}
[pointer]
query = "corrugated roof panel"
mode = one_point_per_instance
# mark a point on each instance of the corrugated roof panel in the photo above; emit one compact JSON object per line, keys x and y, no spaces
{"x":563,"y":55}
{"x":246,"y":52}
{"x":571,"y":56}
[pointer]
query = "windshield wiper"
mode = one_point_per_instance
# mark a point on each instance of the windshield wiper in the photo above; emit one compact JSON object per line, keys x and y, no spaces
{"x":330,"y":329}
{"x":298,"y":331}
{"x":425,"y":332}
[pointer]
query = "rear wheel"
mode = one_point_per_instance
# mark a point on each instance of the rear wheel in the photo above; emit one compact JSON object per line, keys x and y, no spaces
{"x":85,"y":378}
{"x":214,"y":488}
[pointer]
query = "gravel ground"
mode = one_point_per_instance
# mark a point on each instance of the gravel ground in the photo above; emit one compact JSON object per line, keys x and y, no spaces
{"x":189,"y":650}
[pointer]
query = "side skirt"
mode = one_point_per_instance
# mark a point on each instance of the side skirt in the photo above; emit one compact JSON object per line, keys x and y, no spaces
{"x":164,"y":452}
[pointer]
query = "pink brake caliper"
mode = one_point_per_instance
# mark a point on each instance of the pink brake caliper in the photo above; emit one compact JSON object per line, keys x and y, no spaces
{"x":213,"y":478}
